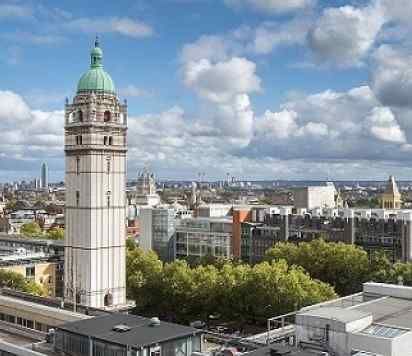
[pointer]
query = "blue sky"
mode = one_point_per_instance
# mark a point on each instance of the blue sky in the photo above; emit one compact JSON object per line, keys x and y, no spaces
{"x":258,"y":88}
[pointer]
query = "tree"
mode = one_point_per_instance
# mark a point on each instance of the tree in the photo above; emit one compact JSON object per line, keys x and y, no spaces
{"x":381,"y":269}
{"x":55,"y":233}
{"x":130,"y":244}
{"x":11,"y":205}
{"x":10,"y":279}
{"x":144,"y":278}
{"x":343,"y":266}
{"x":236,"y":292}
{"x":31,"y":229}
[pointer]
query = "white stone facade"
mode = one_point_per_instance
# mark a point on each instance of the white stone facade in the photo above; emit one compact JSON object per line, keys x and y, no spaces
{"x":95,"y":147}
{"x":314,"y":197}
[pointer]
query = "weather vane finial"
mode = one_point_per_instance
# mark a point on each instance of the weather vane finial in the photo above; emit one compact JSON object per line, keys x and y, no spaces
{"x":96,"y":42}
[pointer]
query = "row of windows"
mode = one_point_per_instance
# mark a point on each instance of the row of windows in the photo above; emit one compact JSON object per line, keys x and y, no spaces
{"x":107,"y":116}
{"x":107,"y":140}
{"x":26,"y":323}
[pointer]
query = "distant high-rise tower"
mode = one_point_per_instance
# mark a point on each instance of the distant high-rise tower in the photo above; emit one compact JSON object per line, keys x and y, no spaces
{"x":95,"y":148}
{"x":44,"y":182}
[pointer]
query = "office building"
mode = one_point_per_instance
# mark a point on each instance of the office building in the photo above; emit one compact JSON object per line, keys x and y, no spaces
{"x":95,"y":148}
{"x":213,"y":210}
{"x":314,"y":197}
{"x":157,"y":228}
{"x":203,"y":237}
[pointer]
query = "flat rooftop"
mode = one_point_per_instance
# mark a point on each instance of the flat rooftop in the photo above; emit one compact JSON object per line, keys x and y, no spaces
{"x":389,"y":305}
{"x":15,"y":339}
{"x":336,"y":313}
{"x":141,"y":332}
{"x":389,"y":310}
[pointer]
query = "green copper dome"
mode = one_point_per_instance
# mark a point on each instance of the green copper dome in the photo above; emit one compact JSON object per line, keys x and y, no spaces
{"x":96,"y":79}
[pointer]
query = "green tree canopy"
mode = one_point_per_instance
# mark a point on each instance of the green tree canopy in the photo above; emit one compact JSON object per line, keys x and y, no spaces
{"x":343,"y":266}
{"x":11,"y":205}
{"x":236,"y":292}
{"x":31,"y":229}
{"x":10,"y":279}
{"x":55,"y":233}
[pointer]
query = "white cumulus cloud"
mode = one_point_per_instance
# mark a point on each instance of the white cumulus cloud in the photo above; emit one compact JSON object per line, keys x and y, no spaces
{"x":346,"y":34}
{"x":220,"y":82}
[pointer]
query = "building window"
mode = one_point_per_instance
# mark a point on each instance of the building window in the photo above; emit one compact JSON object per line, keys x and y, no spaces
{"x":110,"y":140}
{"x":105,"y":140}
{"x":30,"y":272}
{"x":107,"y":116}
{"x":79,"y":140}
{"x":77,"y":198}
{"x":80,"y":115}
{"x":78,"y":165}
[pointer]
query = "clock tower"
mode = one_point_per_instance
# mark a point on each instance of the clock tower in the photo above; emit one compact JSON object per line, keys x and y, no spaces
{"x":95,"y":180}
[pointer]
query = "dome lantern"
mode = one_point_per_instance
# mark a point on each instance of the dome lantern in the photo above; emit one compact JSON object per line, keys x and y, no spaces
{"x":96,"y":79}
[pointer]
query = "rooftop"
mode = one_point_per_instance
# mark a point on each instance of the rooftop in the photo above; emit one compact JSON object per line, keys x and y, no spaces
{"x":389,"y":305}
{"x":138,"y":331}
{"x":336,"y":313}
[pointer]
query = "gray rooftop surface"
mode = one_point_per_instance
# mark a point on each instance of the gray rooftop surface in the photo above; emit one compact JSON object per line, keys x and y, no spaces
{"x":15,"y":339}
{"x":389,"y":311}
{"x":141,"y":333}
{"x":336,"y":313}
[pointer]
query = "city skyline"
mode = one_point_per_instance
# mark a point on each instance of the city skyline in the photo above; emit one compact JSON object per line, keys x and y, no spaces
{"x":258,"y":88}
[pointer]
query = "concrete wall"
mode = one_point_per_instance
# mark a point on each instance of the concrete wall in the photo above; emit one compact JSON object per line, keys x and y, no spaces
{"x":314,"y":197}
{"x":145,"y":238}
{"x":213,"y":210}
{"x":391,"y":290}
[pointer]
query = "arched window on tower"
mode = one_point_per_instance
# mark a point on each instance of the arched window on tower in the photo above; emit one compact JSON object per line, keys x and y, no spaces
{"x":107,"y":116}
{"x":80,"y":115}
{"x":108,"y":300}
